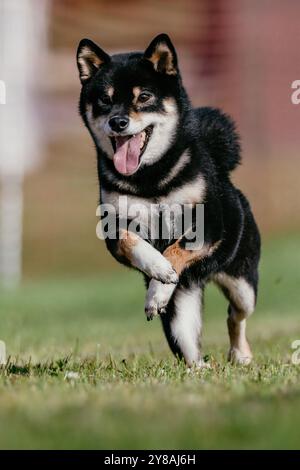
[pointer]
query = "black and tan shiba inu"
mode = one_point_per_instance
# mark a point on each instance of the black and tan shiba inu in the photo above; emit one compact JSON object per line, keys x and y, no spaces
{"x":154,"y":148}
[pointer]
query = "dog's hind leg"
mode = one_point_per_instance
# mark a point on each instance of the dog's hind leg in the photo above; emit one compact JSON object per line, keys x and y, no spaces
{"x":182,"y":324}
{"x":242,"y":297}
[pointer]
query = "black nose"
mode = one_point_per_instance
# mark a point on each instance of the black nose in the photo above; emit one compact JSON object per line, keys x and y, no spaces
{"x":118,"y":123}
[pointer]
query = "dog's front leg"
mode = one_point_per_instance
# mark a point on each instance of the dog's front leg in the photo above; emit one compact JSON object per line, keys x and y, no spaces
{"x":144,"y":257}
{"x":157,"y":298}
{"x":158,"y":294}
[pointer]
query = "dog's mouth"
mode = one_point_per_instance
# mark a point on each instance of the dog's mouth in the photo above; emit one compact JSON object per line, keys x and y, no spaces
{"x":129,"y":149}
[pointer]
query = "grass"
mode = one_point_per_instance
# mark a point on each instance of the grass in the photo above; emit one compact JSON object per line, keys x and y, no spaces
{"x":87,"y":371}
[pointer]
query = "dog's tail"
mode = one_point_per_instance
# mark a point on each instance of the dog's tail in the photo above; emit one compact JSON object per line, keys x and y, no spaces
{"x":218,"y":132}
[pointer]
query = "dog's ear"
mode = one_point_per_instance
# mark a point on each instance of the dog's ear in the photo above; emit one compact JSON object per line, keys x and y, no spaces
{"x":90,"y":58}
{"x":162,"y":54}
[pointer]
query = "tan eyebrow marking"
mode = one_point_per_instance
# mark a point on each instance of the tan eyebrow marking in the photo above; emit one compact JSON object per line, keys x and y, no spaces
{"x":136,"y":93}
{"x":110,"y":91}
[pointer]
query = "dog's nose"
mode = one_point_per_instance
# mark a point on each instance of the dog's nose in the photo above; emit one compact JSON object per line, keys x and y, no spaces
{"x":118,"y":123}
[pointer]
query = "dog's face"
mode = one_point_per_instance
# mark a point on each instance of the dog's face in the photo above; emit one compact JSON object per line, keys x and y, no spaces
{"x":131,"y":102}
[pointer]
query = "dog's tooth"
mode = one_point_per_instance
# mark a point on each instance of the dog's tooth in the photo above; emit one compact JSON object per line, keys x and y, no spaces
{"x":143,"y":138}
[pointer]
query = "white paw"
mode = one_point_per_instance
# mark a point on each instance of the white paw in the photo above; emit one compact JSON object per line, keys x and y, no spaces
{"x":157,"y":298}
{"x":198,"y":366}
{"x":235,"y":356}
{"x":203,"y":365}
{"x":151,"y":262}
{"x":163,"y":271}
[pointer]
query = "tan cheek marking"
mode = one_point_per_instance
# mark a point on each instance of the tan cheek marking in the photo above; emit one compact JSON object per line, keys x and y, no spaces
{"x":126,"y":244}
{"x":135,"y":116}
{"x":170,"y":105}
{"x":181,"y":258}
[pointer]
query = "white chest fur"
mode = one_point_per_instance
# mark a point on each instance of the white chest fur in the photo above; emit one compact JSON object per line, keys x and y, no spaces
{"x":146,"y":211}
{"x":190,"y":193}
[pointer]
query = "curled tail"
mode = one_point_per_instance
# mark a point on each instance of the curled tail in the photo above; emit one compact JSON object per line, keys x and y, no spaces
{"x":218,"y":132}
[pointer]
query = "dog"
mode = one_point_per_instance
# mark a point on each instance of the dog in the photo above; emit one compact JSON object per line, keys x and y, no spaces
{"x":154,"y":148}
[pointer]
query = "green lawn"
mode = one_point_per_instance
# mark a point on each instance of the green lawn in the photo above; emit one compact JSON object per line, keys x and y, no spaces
{"x":129,"y":392}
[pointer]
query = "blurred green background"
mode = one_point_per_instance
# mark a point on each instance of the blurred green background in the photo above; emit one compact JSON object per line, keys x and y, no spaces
{"x":76,"y":310}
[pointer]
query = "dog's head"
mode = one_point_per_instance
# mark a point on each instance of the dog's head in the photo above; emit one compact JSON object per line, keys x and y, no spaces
{"x":132,"y":102}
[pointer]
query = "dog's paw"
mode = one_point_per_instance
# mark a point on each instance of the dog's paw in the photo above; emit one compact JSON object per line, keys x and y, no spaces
{"x":164,"y":272}
{"x":200,"y":365}
{"x":236,"y":356}
{"x":157,"y":298}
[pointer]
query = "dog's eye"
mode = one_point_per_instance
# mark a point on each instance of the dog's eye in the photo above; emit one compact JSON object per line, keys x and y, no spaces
{"x":143,"y":97}
{"x":105,"y":100}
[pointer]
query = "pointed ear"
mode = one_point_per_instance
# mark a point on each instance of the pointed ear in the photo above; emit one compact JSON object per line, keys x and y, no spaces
{"x":90,"y":58}
{"x":162,"y":54}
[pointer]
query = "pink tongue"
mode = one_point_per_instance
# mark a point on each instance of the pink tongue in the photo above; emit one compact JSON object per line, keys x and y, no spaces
{"x":126,"y":157}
